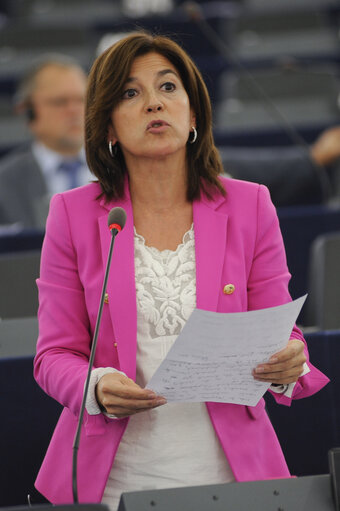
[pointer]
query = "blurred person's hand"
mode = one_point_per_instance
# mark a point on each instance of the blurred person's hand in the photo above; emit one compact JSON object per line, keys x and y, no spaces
{"x":326,"y":148}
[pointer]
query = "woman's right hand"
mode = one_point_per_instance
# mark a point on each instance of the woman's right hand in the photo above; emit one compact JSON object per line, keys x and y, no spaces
{"x":119,"y":395}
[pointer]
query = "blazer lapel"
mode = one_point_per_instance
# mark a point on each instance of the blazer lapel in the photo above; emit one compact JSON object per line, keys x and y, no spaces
{"x":210,"y":245}
{"x":121,"y":286}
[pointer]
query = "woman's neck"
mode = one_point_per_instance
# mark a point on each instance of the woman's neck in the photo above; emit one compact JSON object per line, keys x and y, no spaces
{"x":161,"y":211}
{"x":158,"y":187}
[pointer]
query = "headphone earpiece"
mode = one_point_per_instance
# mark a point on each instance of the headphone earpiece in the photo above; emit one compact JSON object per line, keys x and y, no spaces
{"x":30,"y":113}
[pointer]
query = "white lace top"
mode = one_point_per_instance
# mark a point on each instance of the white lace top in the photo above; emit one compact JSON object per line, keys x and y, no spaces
{"x":175,"y":444}
{"x":166,"y":287}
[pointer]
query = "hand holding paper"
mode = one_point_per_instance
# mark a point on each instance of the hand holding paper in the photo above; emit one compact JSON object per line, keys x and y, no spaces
{"x":214,"y":356}
{"x":283,"y":367}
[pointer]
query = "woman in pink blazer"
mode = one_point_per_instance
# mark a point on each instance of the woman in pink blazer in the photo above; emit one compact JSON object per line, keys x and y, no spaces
{"x":149,"y":143}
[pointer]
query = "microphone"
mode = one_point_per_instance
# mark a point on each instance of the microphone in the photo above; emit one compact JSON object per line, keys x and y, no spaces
{"x":116,"y":222}
{"x":193,"y":10}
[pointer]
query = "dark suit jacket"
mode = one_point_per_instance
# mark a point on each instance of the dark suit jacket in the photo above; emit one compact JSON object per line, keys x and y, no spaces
{"x":291,"y":176}
{"x":22,"y":189}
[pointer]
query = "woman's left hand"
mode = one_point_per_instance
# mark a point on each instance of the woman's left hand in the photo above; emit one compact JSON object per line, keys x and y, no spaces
{"x":283,"y":367}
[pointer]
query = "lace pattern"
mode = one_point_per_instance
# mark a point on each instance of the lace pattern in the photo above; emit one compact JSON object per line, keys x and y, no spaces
{"x":165,"y":286}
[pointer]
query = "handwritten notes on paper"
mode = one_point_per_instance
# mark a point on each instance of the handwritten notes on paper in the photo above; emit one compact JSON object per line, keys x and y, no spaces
{"x":213,"y":357}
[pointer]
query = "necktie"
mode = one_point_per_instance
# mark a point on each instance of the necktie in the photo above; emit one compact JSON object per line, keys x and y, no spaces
{"x":71,"y":169}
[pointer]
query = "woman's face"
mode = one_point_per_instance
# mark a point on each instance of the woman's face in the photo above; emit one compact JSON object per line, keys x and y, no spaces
{"x":153,"y":118}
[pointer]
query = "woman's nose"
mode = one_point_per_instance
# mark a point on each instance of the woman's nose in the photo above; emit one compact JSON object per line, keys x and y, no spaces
{"x":153,"y":103}
{"x":154,"y":107}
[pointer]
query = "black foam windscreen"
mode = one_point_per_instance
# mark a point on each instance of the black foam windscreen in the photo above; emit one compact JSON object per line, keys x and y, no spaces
{"x":117,"y":216}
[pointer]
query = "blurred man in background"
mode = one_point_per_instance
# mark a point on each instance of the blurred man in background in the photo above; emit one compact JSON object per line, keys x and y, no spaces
{"x":295,"y":175}
{"x":52,"y":96}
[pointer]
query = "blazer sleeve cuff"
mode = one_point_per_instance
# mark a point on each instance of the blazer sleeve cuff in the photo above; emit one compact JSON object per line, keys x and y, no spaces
{"x":287,"y":390}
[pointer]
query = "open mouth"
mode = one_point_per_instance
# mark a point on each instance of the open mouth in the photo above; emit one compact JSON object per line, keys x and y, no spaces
{"x":156,"y":124}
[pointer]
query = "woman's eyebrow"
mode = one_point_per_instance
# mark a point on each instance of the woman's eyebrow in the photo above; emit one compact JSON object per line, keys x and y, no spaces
{"x":166,"y":71}
{"x":160,"y":73}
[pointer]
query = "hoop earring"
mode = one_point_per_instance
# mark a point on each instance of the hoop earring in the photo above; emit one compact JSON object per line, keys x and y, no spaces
{"x":112,"y":149}
{"x":194,"y":131}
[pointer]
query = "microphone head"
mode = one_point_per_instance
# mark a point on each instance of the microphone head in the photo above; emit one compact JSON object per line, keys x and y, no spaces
{"x":193,"y":10}
{"x":116,"y":219}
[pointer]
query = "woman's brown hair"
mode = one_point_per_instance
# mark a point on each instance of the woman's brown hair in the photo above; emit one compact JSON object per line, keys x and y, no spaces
{"x":107,"y":80}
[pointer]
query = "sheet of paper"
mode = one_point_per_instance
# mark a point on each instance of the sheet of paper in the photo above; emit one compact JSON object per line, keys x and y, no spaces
{"x":213,"y":357}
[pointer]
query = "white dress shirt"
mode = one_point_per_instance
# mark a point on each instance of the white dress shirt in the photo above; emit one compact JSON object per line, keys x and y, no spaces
{"x":49,"y":162}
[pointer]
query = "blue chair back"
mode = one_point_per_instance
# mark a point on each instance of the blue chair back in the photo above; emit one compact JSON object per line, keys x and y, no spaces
{"x":28,"y":418}
{"x":25,"y":240}
{"x":311,"y":426}
{"x":300,"y":226}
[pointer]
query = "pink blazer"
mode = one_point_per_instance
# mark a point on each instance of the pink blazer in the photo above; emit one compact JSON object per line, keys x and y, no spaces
{"x":237,"y":241}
